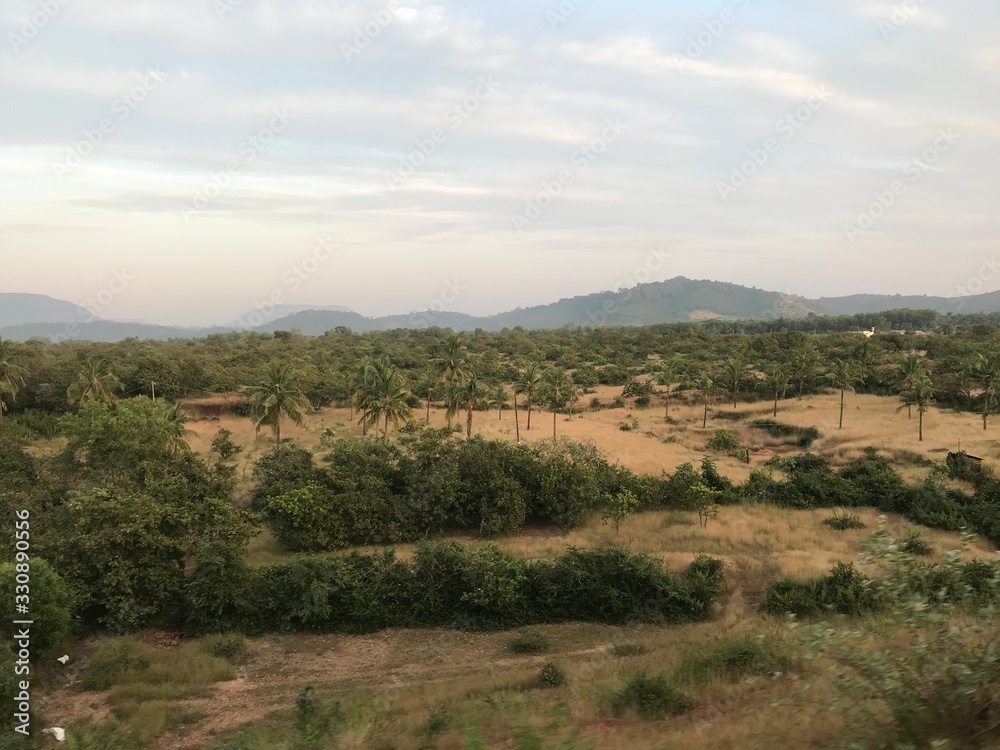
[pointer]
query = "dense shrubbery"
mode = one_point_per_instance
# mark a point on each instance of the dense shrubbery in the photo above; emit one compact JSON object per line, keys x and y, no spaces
{"x":382,"y":493}
{"x":803,"y":437}
{"x":446,"y":585}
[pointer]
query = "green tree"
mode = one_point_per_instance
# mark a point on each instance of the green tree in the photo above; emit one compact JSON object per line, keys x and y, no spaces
{"x":464,"y":395}
{"x":387,"y":399}
{"x":703,"y":499}
{"x":278,"y":395}
{"x":776,"y":378}
{"x":528,"y":384}
{"x":557,"y":391}
{"x":176,"y":420}
{"x":705,"y":385}
{"x":12,"y":376}
{"x":224,"y":445}
{"x":803,"y":367}
{"x":908,"y":372}
{"x":96,"y":382}
{"x":619,"y":507}
{"x":986,"y":374}
{"x":667,"y":376}
{"x":735,"y":374}
{"x":843,"y":376}
{"x":498,"y":400}
{"x":921,"y":395}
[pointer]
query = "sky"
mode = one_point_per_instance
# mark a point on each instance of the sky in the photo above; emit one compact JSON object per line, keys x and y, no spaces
{"x":187,"y":161}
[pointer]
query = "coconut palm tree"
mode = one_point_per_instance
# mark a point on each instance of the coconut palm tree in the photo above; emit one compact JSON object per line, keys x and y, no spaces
{"x":843,"y":376}
{"x":176,"y":420}
{"x":909,"y":370}
{"x":498,"y":399}
{"x":734,"y":374}
{"x":706,"y":385}
{"x":803,"y":367}
{"x":452,"y":365}
{"x":426,"y":387}
{"x":95,"y":382}
{"x":921,"y":395}
{"x":528,"y":385}
{"x":556,"y":391}
{"x":985,"y":373}
{"x":278,"y":395}
{"x":464,"y":395}
{"x":776,"y":379}
{"x":386,"y":399}
{"x":667,"y":376}
{"x":12,"y":375}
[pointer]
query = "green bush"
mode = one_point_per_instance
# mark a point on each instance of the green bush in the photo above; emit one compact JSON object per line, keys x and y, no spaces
{"x":803,"y":437}
{"x":528,"y":642}
{"x":230,"y":646}
{"x":844,"y":522}
{"x":726,"y":442}
{"x":915,"y":544}
{"x":551,"y":676}
{"x":844,"y":591}
{"x":651,"y":696}
{"x":734,"y":659}
{"x":50,"y":604}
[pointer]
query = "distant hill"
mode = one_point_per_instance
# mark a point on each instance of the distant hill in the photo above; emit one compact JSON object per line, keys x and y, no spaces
{"x":675,"y":300}
{"x":16,"y":309}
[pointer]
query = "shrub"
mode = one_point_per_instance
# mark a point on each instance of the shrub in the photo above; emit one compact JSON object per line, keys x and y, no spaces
{"x":551,"y":676}
{"x":734,"y":659}
{"x":629,"y":425}
{"x":915,"y":544}
{"x":231,"y":646}
{"x":803,"y":437}
{"x":725,"y":441}
{"x":223,"y":445}
{"x":844,"y":521}
{"x":844,"y":591}
{"x":49,"y":606}
{"x":528,"y":642}
{"x":651,"y":696}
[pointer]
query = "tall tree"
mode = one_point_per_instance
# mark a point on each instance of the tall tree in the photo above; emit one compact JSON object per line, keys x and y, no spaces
{"x":386,"y":400}
{"x":776,"y":378}
{"x":498,"y":399}
{"x":176,"y":421}
{"x":986,"y":374}
{"x":706,"y":385}
{"x":278,"y":395}
{"x":426,"y":387}
{"x":843,"y":376}
{"x":908,"y":372}
{"x":667,"y":376}
{"x":96,"y":382}
{"x":804,"y":364}
{"x":529,"y":384}
{"x":452,"y":365}
{"x":12,"y":376}
{"x":735,"y":374}
{"x":464,"y":395}
{"x":921,"y":395}
{"x":557,"y":391}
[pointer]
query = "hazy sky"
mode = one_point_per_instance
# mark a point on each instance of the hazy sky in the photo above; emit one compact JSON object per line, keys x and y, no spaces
{"x":201,"y":149}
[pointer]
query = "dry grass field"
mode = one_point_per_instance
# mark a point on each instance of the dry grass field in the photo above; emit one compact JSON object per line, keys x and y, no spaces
{"x":439,"y":689}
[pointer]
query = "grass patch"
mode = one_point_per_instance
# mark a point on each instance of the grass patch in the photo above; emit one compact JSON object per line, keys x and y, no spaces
{"x":551,"y":676}
{"x":622,"y":650}
{"x":733,"y":660}
{"x":528,"y":642}
{"x":652,"y":697}
{"x":915,"y":544}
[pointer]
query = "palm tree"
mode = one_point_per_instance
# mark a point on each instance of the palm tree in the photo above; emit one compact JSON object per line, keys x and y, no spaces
{"x":176,"y":420}
{"x":734,"y":373}
{"x":556,"y":390}
{"x":843,"y":376}
{"x":909,"y":370}
{"x":529,"y":385}
{"x":667,"y":377}
{"x":776,"y":378}
{"x":920,"y":394}
{"x":452,"y":365}
{"x":278,"y":395}
{"x":427,"y":387}
{"x":12,"y":375}
{"x":386,"y":399}
{"x":464,"y":395}
{"x":95,"y":382}
{"x":706,"y":385}
{"x":985,"y":373}
{"x":803,"y":368}
{"x":498,"y":400}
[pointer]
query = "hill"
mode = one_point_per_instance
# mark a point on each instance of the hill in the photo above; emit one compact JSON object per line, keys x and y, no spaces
{"x":679,"y":299}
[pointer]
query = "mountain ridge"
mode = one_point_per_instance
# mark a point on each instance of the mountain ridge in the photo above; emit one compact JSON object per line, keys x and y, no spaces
{"x":674,"y":300}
